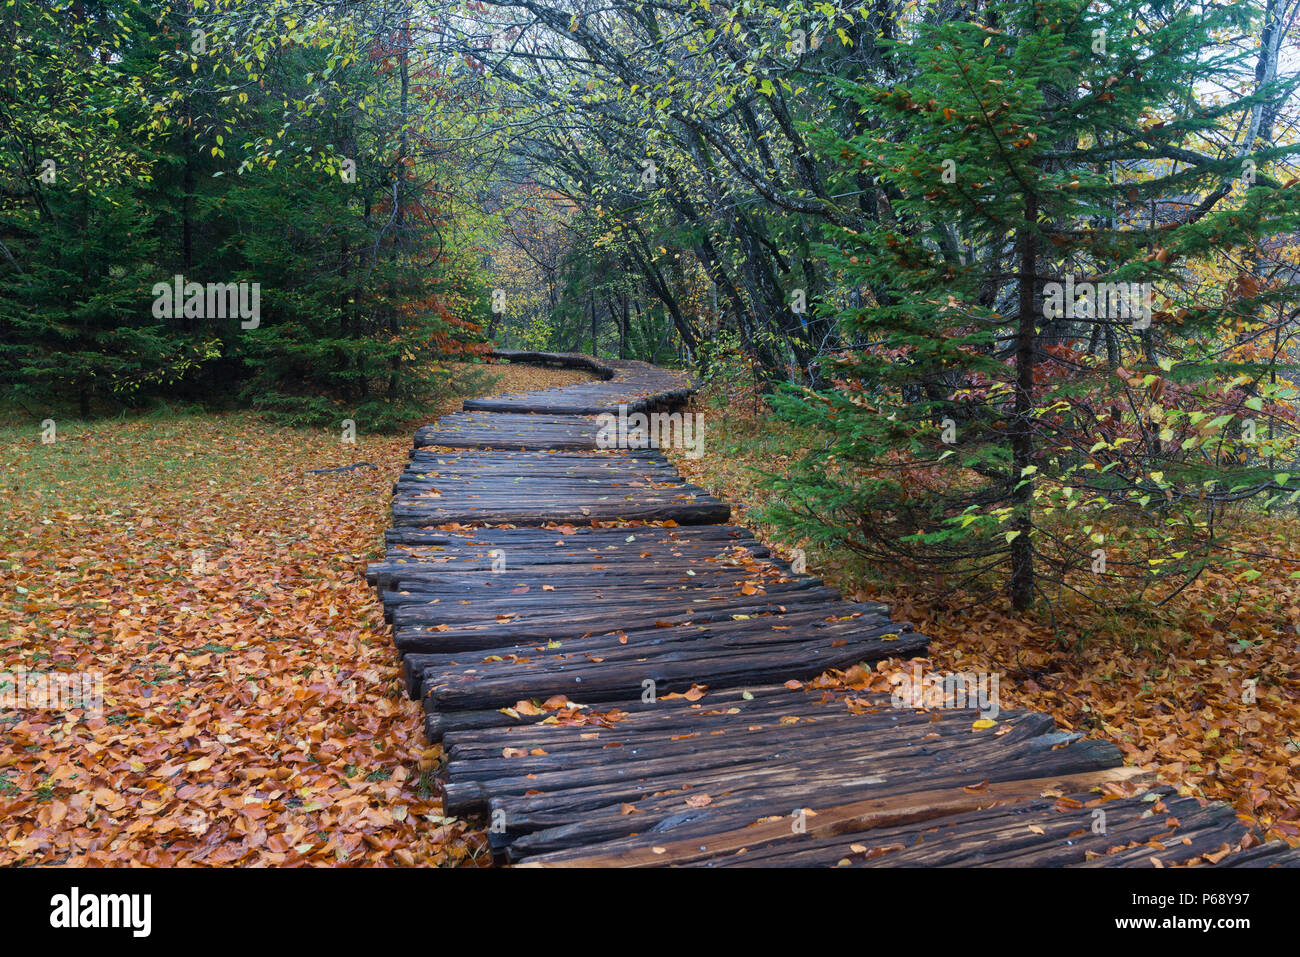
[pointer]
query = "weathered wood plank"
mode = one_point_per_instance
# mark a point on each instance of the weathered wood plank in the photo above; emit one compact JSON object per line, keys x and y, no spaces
{"x":637,"y":385}
{"x":580,"y":537}
{"x":829,"y":822}
{"x":604,"y":668}
{"x":925,"y":800}
{"x":1272,"y":854}
{"x":1052,"y":832}
{"x":438,"y":491}
{"x":499,"y":430}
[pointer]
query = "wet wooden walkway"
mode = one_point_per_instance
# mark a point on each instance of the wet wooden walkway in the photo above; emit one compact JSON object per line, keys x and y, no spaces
{"x":618,"y":677}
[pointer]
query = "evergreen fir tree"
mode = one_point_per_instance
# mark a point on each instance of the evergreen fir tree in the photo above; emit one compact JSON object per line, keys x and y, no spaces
{"x":1050,"y":146}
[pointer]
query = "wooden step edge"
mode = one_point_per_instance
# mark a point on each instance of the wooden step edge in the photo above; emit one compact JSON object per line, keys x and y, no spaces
{"x":858,"y":816}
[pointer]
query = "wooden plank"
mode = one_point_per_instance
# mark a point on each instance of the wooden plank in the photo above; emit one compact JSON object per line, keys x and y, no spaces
{"x":1076,"y":830}
{"x":458,"y":491}
{"x":686,"y":508}
{"x":575,"y":819}
{"x":427,"y":645}
{"x":1272,"y":854}
{"x":513,"y":431}
{"x":857,"y":816}
{"x":637,"y":385}
{"x":437,"y":725}
{"x":578,"y":537}
{"x":600,"y":669}
{"x":541,"y":766}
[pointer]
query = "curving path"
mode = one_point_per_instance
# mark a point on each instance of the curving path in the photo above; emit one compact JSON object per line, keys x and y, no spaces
{"x":615,"y":674}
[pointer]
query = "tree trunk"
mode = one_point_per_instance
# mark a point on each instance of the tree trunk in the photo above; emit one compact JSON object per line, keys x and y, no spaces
{"x":401,"y":194}
{"x":622,"y":331}
{"x":1022,"y":437}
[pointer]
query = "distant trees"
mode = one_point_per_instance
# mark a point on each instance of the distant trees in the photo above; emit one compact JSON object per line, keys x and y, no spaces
{"x":680,"y":130}
{"x":697,"y":132}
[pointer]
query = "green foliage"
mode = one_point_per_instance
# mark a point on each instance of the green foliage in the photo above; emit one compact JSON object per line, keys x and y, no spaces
{"x":169,"y":162}
{"x":976,"y":409}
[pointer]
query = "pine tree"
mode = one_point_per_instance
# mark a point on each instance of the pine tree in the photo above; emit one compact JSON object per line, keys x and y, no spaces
{"x":1027,"y":163}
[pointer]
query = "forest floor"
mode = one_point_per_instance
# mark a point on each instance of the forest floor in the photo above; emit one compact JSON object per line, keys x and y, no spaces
{"x":1169,"y":687}
{"x":253,"y":711}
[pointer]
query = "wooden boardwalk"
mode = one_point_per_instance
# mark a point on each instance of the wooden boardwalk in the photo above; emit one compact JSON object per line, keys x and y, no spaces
{"x":618,"y":677}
